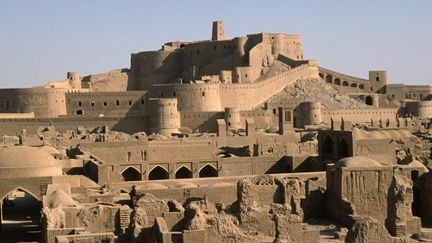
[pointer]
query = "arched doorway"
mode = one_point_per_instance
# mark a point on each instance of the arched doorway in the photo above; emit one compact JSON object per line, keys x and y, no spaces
{"x":343,"y":149}
{"x":328,"y":146}
{"x":21,"y":217}
{"x":208,"y":171}
{"x":158,"y":173}
{"x":131,"y":174}
{"x":369,"y":100}
{"x":329,"y":79}
{"x":183,"y":172}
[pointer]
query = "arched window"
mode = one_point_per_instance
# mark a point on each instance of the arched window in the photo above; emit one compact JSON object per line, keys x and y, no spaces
{"x":343,"y":149}
{"x":328,"y":146}
{"x":131,"y":174}
{"x":208,"y":171}
{"x":329,"y":79}
{"x":158,"y":173}
{"x":345,"y":83}
{"x":183,"y":172}
{"x":369,"y":100}
{"x":337,"y":81}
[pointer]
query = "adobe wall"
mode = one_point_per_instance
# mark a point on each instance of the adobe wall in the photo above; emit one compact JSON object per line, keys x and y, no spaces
{"x":191,"y":97}
{"x":43,"y":102}
{"x":343,"y":82}
{"x":128,"y":125}
{"x":99,"y":104}
{"x":412,"y":92}
{"x":385,"y":192}
{"x":420,"y":109}
{"x":360,"y":115}
{"x":155,"y":67}
{"x":249,"y":96}
{"x":114,"y":80}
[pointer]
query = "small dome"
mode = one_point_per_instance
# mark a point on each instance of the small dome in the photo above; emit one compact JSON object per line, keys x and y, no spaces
{"x":357,"y":162}
{"x":24,"y":161}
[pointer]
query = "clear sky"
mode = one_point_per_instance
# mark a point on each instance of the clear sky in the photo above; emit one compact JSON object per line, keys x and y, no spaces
{"x":42,"y":40}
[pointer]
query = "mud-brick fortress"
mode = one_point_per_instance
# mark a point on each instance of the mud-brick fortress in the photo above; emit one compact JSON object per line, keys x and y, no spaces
{"x":128,"y":154}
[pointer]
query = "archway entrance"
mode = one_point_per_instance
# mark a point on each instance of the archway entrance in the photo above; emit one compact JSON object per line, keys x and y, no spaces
{"x":131,"y":174}
{"x":183,"y":172}
{"x":158,"y":173}
{"x":208,"y":171}
{"x":21,"y":217}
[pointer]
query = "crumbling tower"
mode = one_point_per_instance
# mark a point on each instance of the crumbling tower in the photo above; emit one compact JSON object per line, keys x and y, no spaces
{"x":218,"y":31}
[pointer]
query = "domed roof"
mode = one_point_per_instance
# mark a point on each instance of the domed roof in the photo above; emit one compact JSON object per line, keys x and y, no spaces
{"x":357,"y":161}
{"x":24,"y":161}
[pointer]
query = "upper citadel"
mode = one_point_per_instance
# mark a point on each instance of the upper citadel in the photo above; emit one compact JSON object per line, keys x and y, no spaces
{"x":222,"y":140}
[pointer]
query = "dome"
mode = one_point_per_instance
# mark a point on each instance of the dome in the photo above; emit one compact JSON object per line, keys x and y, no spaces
{"x":357,"y":161}
{"x":24,"y":161}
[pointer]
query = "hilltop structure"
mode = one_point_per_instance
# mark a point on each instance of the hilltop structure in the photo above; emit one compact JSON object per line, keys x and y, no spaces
{"x":228,"y":140}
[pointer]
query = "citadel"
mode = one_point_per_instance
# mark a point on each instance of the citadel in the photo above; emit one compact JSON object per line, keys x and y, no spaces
{"x":222,"y":140}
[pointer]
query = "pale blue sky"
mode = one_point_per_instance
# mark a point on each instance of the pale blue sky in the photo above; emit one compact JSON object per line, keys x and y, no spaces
{"x":42,"y":40}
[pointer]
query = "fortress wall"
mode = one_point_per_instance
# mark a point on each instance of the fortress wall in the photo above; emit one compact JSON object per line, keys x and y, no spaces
{"x":248,"y":96}
{"x":115,"y":80}
{"x":155,"y":67}
{"x":201,"y":121}
{"x":191,"y":97}
{"x":98,"y":104}
{"x":343,"y":82}
{"x":203,"y":54}
{"x":43,"y":102}
{"x":214,"y":97}
{"x":288,"y":45}
{"x":413,"y":92}
{"x":421,"y":109}
{"x":128,"y":125}
{"x":360,"y":115}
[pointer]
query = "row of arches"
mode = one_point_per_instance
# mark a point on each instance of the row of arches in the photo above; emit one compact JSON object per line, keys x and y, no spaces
{"x":337,"y":81}
{"x":329,"y":147}
{"x":160,"y":173}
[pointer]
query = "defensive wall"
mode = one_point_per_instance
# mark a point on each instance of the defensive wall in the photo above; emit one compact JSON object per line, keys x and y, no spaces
{"x":121,"y":124}
{"x":190,"y":61}
{"x":421,"y":109}
{"x":245,"y":96}
{"x":412,"y":92}
{"x":99,"y":104}
{"x":43,"y":102}
{"x":375,"y":84}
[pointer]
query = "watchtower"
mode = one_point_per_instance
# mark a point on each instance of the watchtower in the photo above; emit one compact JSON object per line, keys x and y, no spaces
{"x":218,"y":31}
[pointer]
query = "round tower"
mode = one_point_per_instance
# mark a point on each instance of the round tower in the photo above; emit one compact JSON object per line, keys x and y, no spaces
{"x":278,"y":44}
{"x":312,"y":113}
{"x":74,"y":80}
{"x":164,"y":116}
{"x":232,"y":118}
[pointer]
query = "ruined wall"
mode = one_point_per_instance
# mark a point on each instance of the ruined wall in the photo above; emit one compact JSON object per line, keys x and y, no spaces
{"x":383,"y":192}
{"x":128,"y":125}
